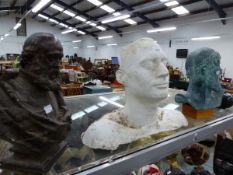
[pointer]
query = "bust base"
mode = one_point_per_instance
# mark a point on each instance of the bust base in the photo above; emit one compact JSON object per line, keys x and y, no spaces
{"x":189,"y":111}
{"x":35,"y":164}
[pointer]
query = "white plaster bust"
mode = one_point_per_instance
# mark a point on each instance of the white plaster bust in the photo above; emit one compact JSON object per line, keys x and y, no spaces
{"x":145,"y":77}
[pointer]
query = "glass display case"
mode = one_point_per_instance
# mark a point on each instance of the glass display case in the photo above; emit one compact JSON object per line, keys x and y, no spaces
{"x":79,"y":159}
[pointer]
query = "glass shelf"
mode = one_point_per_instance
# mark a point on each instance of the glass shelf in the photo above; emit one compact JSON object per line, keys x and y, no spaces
{"x":79,"y":159}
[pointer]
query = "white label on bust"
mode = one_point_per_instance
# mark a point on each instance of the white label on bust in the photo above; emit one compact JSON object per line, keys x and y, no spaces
{"x":48,"y":109}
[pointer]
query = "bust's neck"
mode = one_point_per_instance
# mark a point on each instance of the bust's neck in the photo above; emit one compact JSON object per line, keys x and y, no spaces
{"x":139,"y":111}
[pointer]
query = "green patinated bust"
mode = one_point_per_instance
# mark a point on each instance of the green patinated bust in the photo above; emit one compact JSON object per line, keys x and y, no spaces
{"x":204,"y":90}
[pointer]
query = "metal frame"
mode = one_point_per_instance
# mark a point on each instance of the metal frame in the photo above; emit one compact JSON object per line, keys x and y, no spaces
{"x":125,"y":164}
{"x":219,"y":10}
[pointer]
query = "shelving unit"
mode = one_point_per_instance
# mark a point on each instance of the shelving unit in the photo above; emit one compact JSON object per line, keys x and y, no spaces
{"x":81,"y":160}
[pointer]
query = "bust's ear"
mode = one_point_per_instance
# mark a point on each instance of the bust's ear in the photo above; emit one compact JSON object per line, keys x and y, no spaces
{"x":121,"y":76}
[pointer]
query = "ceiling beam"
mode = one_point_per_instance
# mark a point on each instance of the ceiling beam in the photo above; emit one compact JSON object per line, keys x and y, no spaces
{"x":87,"y":16}
{"x":138,"y":14}
{"x":11,"y":8}
{"x":26,"y":6}
{"x":229,"y":5}
{"x":217,"y":9}
{"x":71,"y":25}
{"x":148,"y":11}
{"x":12,"y":5}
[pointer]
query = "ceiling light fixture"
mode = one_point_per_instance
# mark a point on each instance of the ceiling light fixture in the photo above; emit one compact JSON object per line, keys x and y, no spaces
{"x":69,"y":13}
{"x":115,"y":19}
{"x":172,"y":3}
{"x":81,"y":32}
{"x":1,"y":39}
{"x":114,"y":44}
{"x":56,"y":7}
{"x":90,"y":46}
{"x":92,"y":24}
{"x":17,"y":26}
{"x":180,"y":10}
{"x":206,"y":38}
{"x":105,"y":37}
{"x":101,"y":28}
{"x":107,"y":8}
{"x":6,"y":35}
{"x":76,"y":41}
{"x":68,"y":31}
{"x":130,"y":21}
{"x":42,"y":16}
{"x":95,"y":2}
{"x":54,"y":21}
{"x":116,"y":14}
{"x":164,"y":0}
{"x":40,"y":5}
{"x":161,"y":29}
{"x":63,"y":25}
{"x":80,"y":18}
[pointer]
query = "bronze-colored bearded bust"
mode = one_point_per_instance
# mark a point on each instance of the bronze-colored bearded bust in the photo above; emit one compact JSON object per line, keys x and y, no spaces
{"x":33,"y":115}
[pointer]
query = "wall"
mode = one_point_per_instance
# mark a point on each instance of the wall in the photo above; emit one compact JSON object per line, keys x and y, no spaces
{"x":13,"y":43}
{"x":187,"y":27}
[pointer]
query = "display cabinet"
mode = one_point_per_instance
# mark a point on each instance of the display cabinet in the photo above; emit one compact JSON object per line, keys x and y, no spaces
{"x":81,"y":160}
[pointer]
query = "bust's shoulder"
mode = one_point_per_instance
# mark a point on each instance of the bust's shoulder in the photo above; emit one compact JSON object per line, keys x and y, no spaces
{"x":106,"y":133}
{"x":172,"y":118}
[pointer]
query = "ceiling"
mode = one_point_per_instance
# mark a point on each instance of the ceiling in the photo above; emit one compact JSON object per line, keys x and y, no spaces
{"x":140,"y":11}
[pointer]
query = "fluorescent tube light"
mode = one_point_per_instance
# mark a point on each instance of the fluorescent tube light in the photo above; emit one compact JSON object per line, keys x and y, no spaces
{"x":1,"y":38}
{"x":42,"y":16}
{"x":54,"y":21}
{"x":105,"y":37}
{"x":75,"y":47}
{"x":80,"y":18}
{"x":63,"y":25}
{"x":40,"y":5}
{"x":115,"y":19}
{"x":161,"y":29}
{"x":107,"y":8}
{"x":172,"y":3}
{"x":56,"y":7}
{"x":206,"y":38}
{"x":6,"y":35}
{"x":95,"y":2}
{"x":116,"y":14}
{"x":81,"y":32}
{"x":113,"y":44}
{"x":92,"y":24}
{"x":90,"y":46}
{"x":180,"y":10}
{"x":130,"y":21}
{"x":68,"y":31}
{"x":17,"y":26}
{"x":69,"y":13}
{"x":76,"y":41}
{"x":101,"y":28}
{"x":164,"y":0}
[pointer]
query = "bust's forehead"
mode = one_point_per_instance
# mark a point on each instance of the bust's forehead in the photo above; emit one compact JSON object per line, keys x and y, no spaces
{"x":140,"y":50}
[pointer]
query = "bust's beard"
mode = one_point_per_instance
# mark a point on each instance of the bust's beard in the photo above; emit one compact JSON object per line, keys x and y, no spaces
{"x":47,"y":79}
